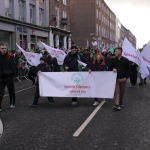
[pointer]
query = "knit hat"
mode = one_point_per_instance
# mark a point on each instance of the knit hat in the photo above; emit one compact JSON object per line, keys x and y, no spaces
{"x":74,"y":47}
{"x":42,"y":58}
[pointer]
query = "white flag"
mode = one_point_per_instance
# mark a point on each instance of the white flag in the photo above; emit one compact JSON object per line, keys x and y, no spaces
{"x":94,"y":43}
{"x":130,"y":52}
{"x":82,"y":63}
{"x":144,"y":70}
{"x":145,"y":54}
{"x":59,"y":54}
{"x":32,"y":58}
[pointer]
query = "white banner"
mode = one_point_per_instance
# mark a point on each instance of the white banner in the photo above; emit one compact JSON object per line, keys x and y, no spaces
{"x":59,"y":54}
{"x":32,"y":58}
{"x":130,"y":52}
{"x":94,"y":43}
{"x":143,"y":69}
{"x":145,"y":54}
{"x":77,"y":84}
{"x":82,"y":63}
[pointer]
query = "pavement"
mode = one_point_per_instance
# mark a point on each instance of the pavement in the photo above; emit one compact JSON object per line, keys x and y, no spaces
{"x":51,"y":127}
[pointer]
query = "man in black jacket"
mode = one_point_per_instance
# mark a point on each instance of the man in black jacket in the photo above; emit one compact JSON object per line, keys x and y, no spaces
{"x":71,"y":64}
{"x":7,"y":73}
{"x":121,"y":66}
{"x":42,"y":67}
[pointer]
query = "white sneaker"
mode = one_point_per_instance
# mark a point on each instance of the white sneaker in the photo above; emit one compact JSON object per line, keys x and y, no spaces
{"x":74,"y":103}
{"x":12,"y":106}
{"x":131,"y":85}
{"x":95,"y":103}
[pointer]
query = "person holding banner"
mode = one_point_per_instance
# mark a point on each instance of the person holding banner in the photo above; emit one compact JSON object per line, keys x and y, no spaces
{"x":42,"y":67}
{"x":52,"y":62}
{"x":71,"y":63}
{"x":121,"y":66}
{"x":98,"y":65}
{"x":7,"y":74}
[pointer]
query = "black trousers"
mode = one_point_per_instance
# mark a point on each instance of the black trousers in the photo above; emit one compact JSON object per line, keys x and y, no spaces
{"x":32,"y":76}
{"x":9,"y":82}
{"x":74,"y":99}
{"x":133,"y":77}
{"x":37,"y":95}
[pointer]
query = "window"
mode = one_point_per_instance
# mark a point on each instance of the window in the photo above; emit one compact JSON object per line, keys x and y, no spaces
{"x":8,"y":8}
{"x":32,"y":14}
{"x":97,"y":2}
{"x":97,"y":13}
{"x":21,"y":10}
{"x":41,"y":2}
{"x":5,"y":37}
{"x":64,"y":16}
{"x":65,"y":2}
{"x":57,"y":15}
{"x":99,"y":30}
{"x":96,"y":29}
{"x":41,"y":13}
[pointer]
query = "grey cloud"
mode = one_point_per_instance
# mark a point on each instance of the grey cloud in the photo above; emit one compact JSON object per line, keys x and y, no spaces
{"x":145,"y":3}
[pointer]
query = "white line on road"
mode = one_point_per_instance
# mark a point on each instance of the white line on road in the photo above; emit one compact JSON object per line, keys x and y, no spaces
{"x":81,"y":128}
{"x":1,"y":128}
{"x":20,"y":91}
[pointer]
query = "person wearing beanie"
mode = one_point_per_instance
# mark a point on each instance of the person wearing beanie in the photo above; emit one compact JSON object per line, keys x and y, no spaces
{"x":42,"y":67}
{"x":71,"y":64}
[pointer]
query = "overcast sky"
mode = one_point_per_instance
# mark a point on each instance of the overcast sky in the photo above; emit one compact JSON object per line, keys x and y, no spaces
{"x":135,"y":16}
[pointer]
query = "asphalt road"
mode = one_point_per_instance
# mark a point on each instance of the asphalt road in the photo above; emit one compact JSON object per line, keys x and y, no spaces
{"x":51,"y":127}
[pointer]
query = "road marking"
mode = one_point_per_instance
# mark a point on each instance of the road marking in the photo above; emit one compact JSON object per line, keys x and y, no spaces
{"x":86,"y":122}
{"x":20,"y":91}
{"x":1,"y":128}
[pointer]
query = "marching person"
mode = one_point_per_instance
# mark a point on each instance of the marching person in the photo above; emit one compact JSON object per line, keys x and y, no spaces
{"x":99,"y":65}
{"x":42,"y":67}
{"x":121,"y":66}
{"x":32,"y":74}
{"x":133,"y":74}
{"x":7,"y":73}
{"x":52,"y":62}
{"x":71,"y":64}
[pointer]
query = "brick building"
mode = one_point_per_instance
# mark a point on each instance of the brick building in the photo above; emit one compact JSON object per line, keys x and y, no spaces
{"x":60,"y":35}
{"x":92,"y":20}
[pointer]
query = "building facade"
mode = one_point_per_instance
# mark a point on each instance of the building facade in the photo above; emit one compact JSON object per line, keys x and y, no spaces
{"x":118,"y":33}
{"x":131,"y":38}
{"x":92,"y":20}
{"x":60,"y":35}
{"x":122,"y":32}
{"x":24,"y":22}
